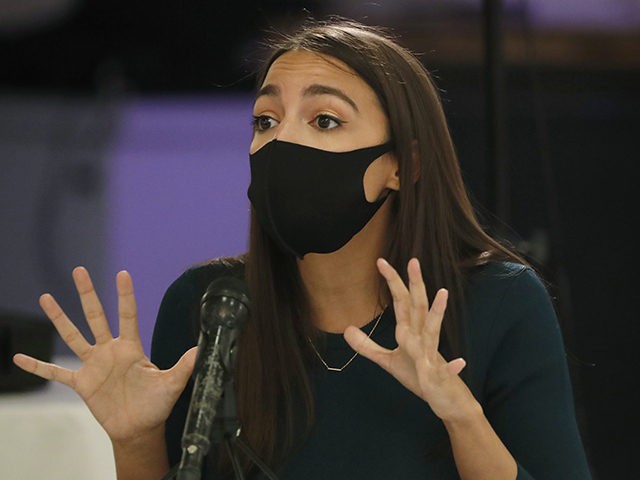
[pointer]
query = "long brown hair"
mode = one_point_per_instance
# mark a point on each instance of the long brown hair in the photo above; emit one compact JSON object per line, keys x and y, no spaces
{"x":433,"y":220}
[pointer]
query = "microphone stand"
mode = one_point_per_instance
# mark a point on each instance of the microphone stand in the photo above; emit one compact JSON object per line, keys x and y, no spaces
{"x":226,"y":430}
{"x":212,"y":415}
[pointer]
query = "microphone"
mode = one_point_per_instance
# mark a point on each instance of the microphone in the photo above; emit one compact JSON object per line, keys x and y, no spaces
{"x":224,"y":309}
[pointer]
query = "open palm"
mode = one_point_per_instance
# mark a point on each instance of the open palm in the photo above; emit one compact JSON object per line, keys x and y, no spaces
{"x":127,"y":394}
{"x":416,"y":363}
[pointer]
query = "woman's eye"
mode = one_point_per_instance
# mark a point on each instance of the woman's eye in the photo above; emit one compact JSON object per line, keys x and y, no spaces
{"x":327,"y":122}
{"x":263,"y":122}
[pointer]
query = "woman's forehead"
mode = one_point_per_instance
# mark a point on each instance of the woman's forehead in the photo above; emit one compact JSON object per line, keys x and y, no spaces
{"x":302,"y":63}
{"x":297,"y":70}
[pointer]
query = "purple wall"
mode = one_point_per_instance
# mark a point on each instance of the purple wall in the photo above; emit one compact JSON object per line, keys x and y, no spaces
{"x":177,"y":180}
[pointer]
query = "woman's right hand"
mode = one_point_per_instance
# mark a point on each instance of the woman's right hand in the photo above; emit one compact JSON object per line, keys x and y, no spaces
{"x":128,"y":395}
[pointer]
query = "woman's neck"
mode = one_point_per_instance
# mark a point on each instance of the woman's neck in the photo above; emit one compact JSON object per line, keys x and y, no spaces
{"x":345,"y":288}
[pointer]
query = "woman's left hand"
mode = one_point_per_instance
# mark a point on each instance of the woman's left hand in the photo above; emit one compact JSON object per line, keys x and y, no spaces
{"x":416,"y":362}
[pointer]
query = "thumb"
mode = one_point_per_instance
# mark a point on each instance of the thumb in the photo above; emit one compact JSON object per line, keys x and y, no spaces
{"x":361,"y":343}
{"x":455,"y":366}
{"x":181,"y":371}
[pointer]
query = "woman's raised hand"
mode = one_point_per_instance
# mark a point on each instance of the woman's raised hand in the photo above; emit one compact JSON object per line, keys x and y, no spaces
{"x":128,"y":395}
{"x":416,"y":362}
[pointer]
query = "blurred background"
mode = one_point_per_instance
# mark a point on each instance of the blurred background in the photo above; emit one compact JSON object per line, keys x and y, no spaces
{"x":124,"y":129}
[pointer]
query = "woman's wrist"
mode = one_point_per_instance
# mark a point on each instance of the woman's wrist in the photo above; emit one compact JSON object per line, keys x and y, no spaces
{"x":141,"y":457}
{"x":478,"y":451}
{"x":463,"y":415}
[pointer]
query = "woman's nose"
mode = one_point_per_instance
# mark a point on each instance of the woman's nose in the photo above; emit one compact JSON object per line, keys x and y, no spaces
{"x":288,"y":130}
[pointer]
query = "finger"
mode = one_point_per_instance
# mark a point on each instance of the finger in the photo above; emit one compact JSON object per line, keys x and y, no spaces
{"x":397,"y":288}
{"x":418,"y":294}
{"x":454,"y":367}
{"x":433,"y":324}
{"x":91,"y":306}
{"x":127,"y":309}
{"x":182,"y":370}
{"x":65,"y":327}
{"x":48,"y":371}
{"x":361,"y":343}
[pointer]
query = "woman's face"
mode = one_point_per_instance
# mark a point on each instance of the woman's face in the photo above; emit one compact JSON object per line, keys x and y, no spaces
{"x":318,"y":101}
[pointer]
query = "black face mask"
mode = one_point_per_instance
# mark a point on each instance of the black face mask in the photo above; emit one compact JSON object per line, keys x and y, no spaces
{"x":310,"y":200}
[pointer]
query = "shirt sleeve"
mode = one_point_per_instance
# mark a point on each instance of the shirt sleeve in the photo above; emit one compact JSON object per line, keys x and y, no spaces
{"x":528,"y":393}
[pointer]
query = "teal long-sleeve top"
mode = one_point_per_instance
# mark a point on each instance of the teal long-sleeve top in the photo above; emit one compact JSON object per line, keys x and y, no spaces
{"x":368,"y":426}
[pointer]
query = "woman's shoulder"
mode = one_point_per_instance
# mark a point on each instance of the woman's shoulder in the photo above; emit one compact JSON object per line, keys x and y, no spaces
{"x":197,"y":277}
{"x":501,"y":294}
{"x":499,"y":278}
{"x":177,"y":323}
{"x":511,"y":318}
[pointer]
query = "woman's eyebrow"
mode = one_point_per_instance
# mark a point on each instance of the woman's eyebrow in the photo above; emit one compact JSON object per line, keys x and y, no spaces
{"x":271,"y":90}
{"x":317,"y":89}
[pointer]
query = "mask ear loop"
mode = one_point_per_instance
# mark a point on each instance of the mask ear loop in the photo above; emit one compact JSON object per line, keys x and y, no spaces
{"x":387,"y":192}
{"x":385,"y":148}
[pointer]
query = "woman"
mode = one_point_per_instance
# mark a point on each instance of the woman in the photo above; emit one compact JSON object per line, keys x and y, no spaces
{"x":342,"y":371}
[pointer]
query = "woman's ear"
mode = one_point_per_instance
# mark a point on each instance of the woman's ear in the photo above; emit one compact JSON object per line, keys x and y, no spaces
{"x":393,"y":182}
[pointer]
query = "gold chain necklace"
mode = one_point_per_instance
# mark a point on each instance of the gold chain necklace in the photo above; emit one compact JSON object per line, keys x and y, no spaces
{"x":339,"y":369}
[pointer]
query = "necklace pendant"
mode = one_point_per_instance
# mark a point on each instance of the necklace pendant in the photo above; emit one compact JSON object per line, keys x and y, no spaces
{"x":340,"y":369}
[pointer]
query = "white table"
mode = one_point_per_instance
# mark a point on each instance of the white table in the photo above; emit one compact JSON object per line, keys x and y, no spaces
{"x":50,"y":434}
